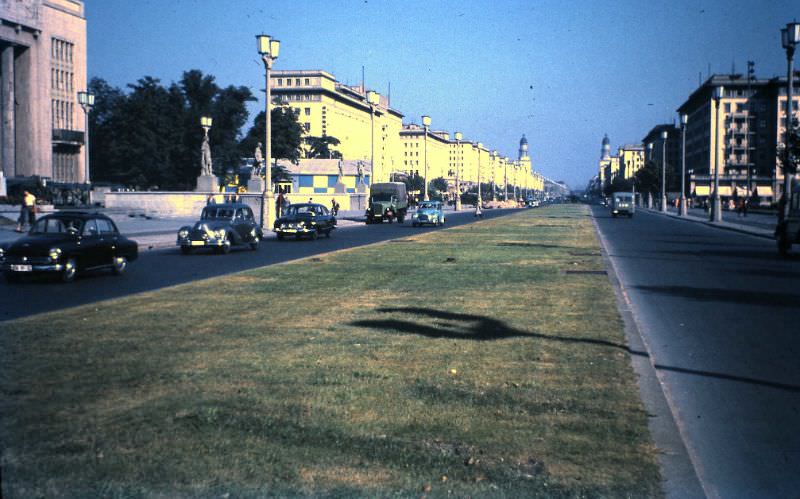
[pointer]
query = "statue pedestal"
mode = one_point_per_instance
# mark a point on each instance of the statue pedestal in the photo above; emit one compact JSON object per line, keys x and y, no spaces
{"x":207,"y":183}
{"x":361,"y":188}
{"x":255,"y":185}
{"x":340,"y":188}
{"x":3,"y":191}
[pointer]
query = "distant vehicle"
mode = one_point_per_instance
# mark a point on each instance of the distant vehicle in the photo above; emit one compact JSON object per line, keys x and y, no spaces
{"x":428,"y":212}
{"x":221,"y":226}
{"x":67,"y":243}
{"x":387,"y":201}
{"x":307,"y":219}
{"x":787,"y":232}
{"x":532,"y":203}
{"x":622,"y":204}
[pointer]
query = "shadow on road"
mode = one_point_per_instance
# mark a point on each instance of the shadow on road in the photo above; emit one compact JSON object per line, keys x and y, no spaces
{"x":743,"y":296}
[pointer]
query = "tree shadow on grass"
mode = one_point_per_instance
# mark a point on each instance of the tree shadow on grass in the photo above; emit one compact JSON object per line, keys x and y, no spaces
{"x":472,"y":327}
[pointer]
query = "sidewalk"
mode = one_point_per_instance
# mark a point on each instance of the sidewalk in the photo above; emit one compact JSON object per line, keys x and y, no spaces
{"x":755,"y":224}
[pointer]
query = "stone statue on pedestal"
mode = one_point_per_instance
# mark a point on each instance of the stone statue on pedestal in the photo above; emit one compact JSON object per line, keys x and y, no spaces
{"x":340,"y":188}
{"x":205,"y":157}
{"x":259,"y":160}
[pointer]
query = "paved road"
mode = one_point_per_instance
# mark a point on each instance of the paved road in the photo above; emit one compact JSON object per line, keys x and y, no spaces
{"x":159,"y":268}
{"x":718,"y":311}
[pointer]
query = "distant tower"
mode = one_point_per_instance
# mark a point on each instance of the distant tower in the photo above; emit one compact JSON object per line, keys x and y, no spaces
{"x":523,"y":147}
{"x":605,"y":152}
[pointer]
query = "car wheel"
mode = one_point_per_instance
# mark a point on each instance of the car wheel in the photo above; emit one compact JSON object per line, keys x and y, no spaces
{"x":186,"y":250}
{"x":279,"y":236}
{"x":120,"y":265}
{"x":314,"y":235}
{"x":254,"y":244}
{"x":401,"y":218}
{"x":783,"y":244}
{"x":226,"y":248}
{"x":70,"y":270}
{"x":414,"y":224}
{"x":328,"y":233}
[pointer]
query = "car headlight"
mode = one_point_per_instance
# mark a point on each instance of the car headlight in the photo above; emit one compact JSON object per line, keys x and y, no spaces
{"x":183,"y":233}
{"x":414,"y":216}
{"x":54,"y":254}
{"x":2,"y":254}
{"x":219,"y":234}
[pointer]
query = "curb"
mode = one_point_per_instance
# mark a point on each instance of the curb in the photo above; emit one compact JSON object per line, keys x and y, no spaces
{"x":679,"y":477}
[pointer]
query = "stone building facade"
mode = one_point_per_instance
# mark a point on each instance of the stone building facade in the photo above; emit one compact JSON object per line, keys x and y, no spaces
{"x":42,"y":69}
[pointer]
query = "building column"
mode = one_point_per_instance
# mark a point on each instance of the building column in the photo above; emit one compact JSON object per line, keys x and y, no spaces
{"x":7,"y":156}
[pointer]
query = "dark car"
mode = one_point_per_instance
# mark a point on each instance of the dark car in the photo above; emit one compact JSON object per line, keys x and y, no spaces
{"x":307,"y":219}
{"x":67,"y":243}
{"x":221,"y":226}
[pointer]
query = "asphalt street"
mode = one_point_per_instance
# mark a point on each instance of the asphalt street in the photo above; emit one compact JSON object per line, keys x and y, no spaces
{"x":166,"y":267}
{"x":718,"y":312}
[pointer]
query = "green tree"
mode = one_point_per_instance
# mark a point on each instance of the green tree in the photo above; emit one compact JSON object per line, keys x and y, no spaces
{"x":286,"y":134}
{"x":321,"y":147}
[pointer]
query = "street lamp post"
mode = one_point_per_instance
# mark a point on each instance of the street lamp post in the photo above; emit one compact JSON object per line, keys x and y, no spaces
{"x":790,"y":37}
{"x":269,"y":49}
{"x":478,"y":202}
{"x":86,"y":100}
{"x":716,"y":203}
{"x":458,"y":137}
{"x":664,"y":136}
{"x":505,"y":181}
{"x":372,"y":100}
{"x":493,"y":159}
{"x":426,"y":122}
{"x":649,"y":191}
{"x":684,"y":120}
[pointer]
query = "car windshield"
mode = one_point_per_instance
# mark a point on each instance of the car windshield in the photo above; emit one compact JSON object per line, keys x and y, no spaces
{"x":53,"y":225}
{"x":430,"y":206}
{"x":382,"y":196}
{"x":213,"y":213}
{"x":299,"y":209}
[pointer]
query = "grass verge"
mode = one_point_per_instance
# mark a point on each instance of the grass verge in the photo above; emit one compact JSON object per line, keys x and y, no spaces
{"x":464,"y":361}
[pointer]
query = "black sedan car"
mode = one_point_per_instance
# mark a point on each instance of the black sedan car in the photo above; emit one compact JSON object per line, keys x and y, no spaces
{"x":221,"y":226}
{"x":67,"y":243}
{"x":307,"y":219}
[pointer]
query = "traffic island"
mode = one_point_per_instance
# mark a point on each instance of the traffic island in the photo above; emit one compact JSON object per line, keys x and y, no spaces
{"x":483,"y":360}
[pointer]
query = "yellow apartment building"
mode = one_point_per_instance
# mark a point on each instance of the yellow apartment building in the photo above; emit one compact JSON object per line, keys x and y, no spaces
{"x":326,"y":107}
{"x":631,"y":159}
{"x":413,"y":150}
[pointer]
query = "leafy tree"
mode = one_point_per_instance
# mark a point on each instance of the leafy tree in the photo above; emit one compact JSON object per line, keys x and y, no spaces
{"x":286,"y":134}
{"x":439,"y":183}
{"x":320,"y":147}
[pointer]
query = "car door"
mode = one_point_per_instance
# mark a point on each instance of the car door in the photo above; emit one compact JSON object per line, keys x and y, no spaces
{"x":107,"y":242}
{"x":89,"y":252}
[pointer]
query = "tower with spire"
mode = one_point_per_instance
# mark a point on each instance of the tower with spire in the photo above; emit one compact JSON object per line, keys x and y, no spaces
{"x":605,"y":152}
{"x":524,"y":158}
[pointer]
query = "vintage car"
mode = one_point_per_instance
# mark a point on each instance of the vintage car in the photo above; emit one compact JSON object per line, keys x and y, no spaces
{"x":307,"y":219}
{"x":221,"y":226}
{"x":428,"y":212}
{"x":67,"y":243}
{"x":622,"y":204}
{"x":787,"y":231}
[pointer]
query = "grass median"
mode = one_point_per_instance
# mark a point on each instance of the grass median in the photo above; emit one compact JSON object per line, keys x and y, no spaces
{"x":475,"y":361}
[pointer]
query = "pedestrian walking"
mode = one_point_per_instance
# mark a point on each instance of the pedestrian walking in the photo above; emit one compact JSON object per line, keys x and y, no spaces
{"x":279,"y":204}
{"x":27,"y":211}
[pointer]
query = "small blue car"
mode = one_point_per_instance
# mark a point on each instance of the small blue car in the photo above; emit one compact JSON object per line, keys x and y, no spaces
{"x":428,"y":212}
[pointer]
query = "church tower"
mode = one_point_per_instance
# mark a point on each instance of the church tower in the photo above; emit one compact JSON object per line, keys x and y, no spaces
{"x":605,"y":152}
{"x":524,"y":158}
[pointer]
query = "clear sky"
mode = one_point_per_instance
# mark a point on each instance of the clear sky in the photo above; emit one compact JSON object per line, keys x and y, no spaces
{"x":563,"y":72}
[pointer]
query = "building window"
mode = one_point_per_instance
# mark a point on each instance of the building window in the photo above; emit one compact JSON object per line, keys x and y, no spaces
{"x":280,"y":82}
{"x":308,"y":111}
{"x":297,"y":82}
{"x":307,"y":127}
{"x":308,"y":82}
{"x":288,"y":82}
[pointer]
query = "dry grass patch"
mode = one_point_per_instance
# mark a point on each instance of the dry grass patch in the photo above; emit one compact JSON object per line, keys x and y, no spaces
{"x":448,"y":365}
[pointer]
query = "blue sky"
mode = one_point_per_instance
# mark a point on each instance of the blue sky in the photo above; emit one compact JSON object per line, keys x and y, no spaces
{"x":562,"y":72}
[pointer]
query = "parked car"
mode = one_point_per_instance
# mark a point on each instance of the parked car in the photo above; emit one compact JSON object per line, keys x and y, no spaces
{"x":67,"y":243}
{"x":307,"y":219}
{"x":387,"y":201}
{"x":221,"y":226}
{"x":787,"y":231}
{"x":428,"y":212}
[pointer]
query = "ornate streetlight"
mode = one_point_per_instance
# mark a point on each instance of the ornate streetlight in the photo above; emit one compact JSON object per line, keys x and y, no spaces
{"x":478,"y":202}
{"x":458,"y":137}
{"x":716,"y":203}
{"x":790,"y":37}
{"x":664,"y":136}
{"x":650,"y":192}
{"x":505,"y":180}
{"x":684,"y":120}
{"x":493,"y":156}
{"x":269,"y":49}
{"x":372,"y":99}
{"x":426,"y":122}
{"x":86,"y":100}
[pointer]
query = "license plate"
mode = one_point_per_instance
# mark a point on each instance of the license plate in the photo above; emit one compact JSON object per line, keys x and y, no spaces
{"x":21,"y":268}
{"x":198,"y":243}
